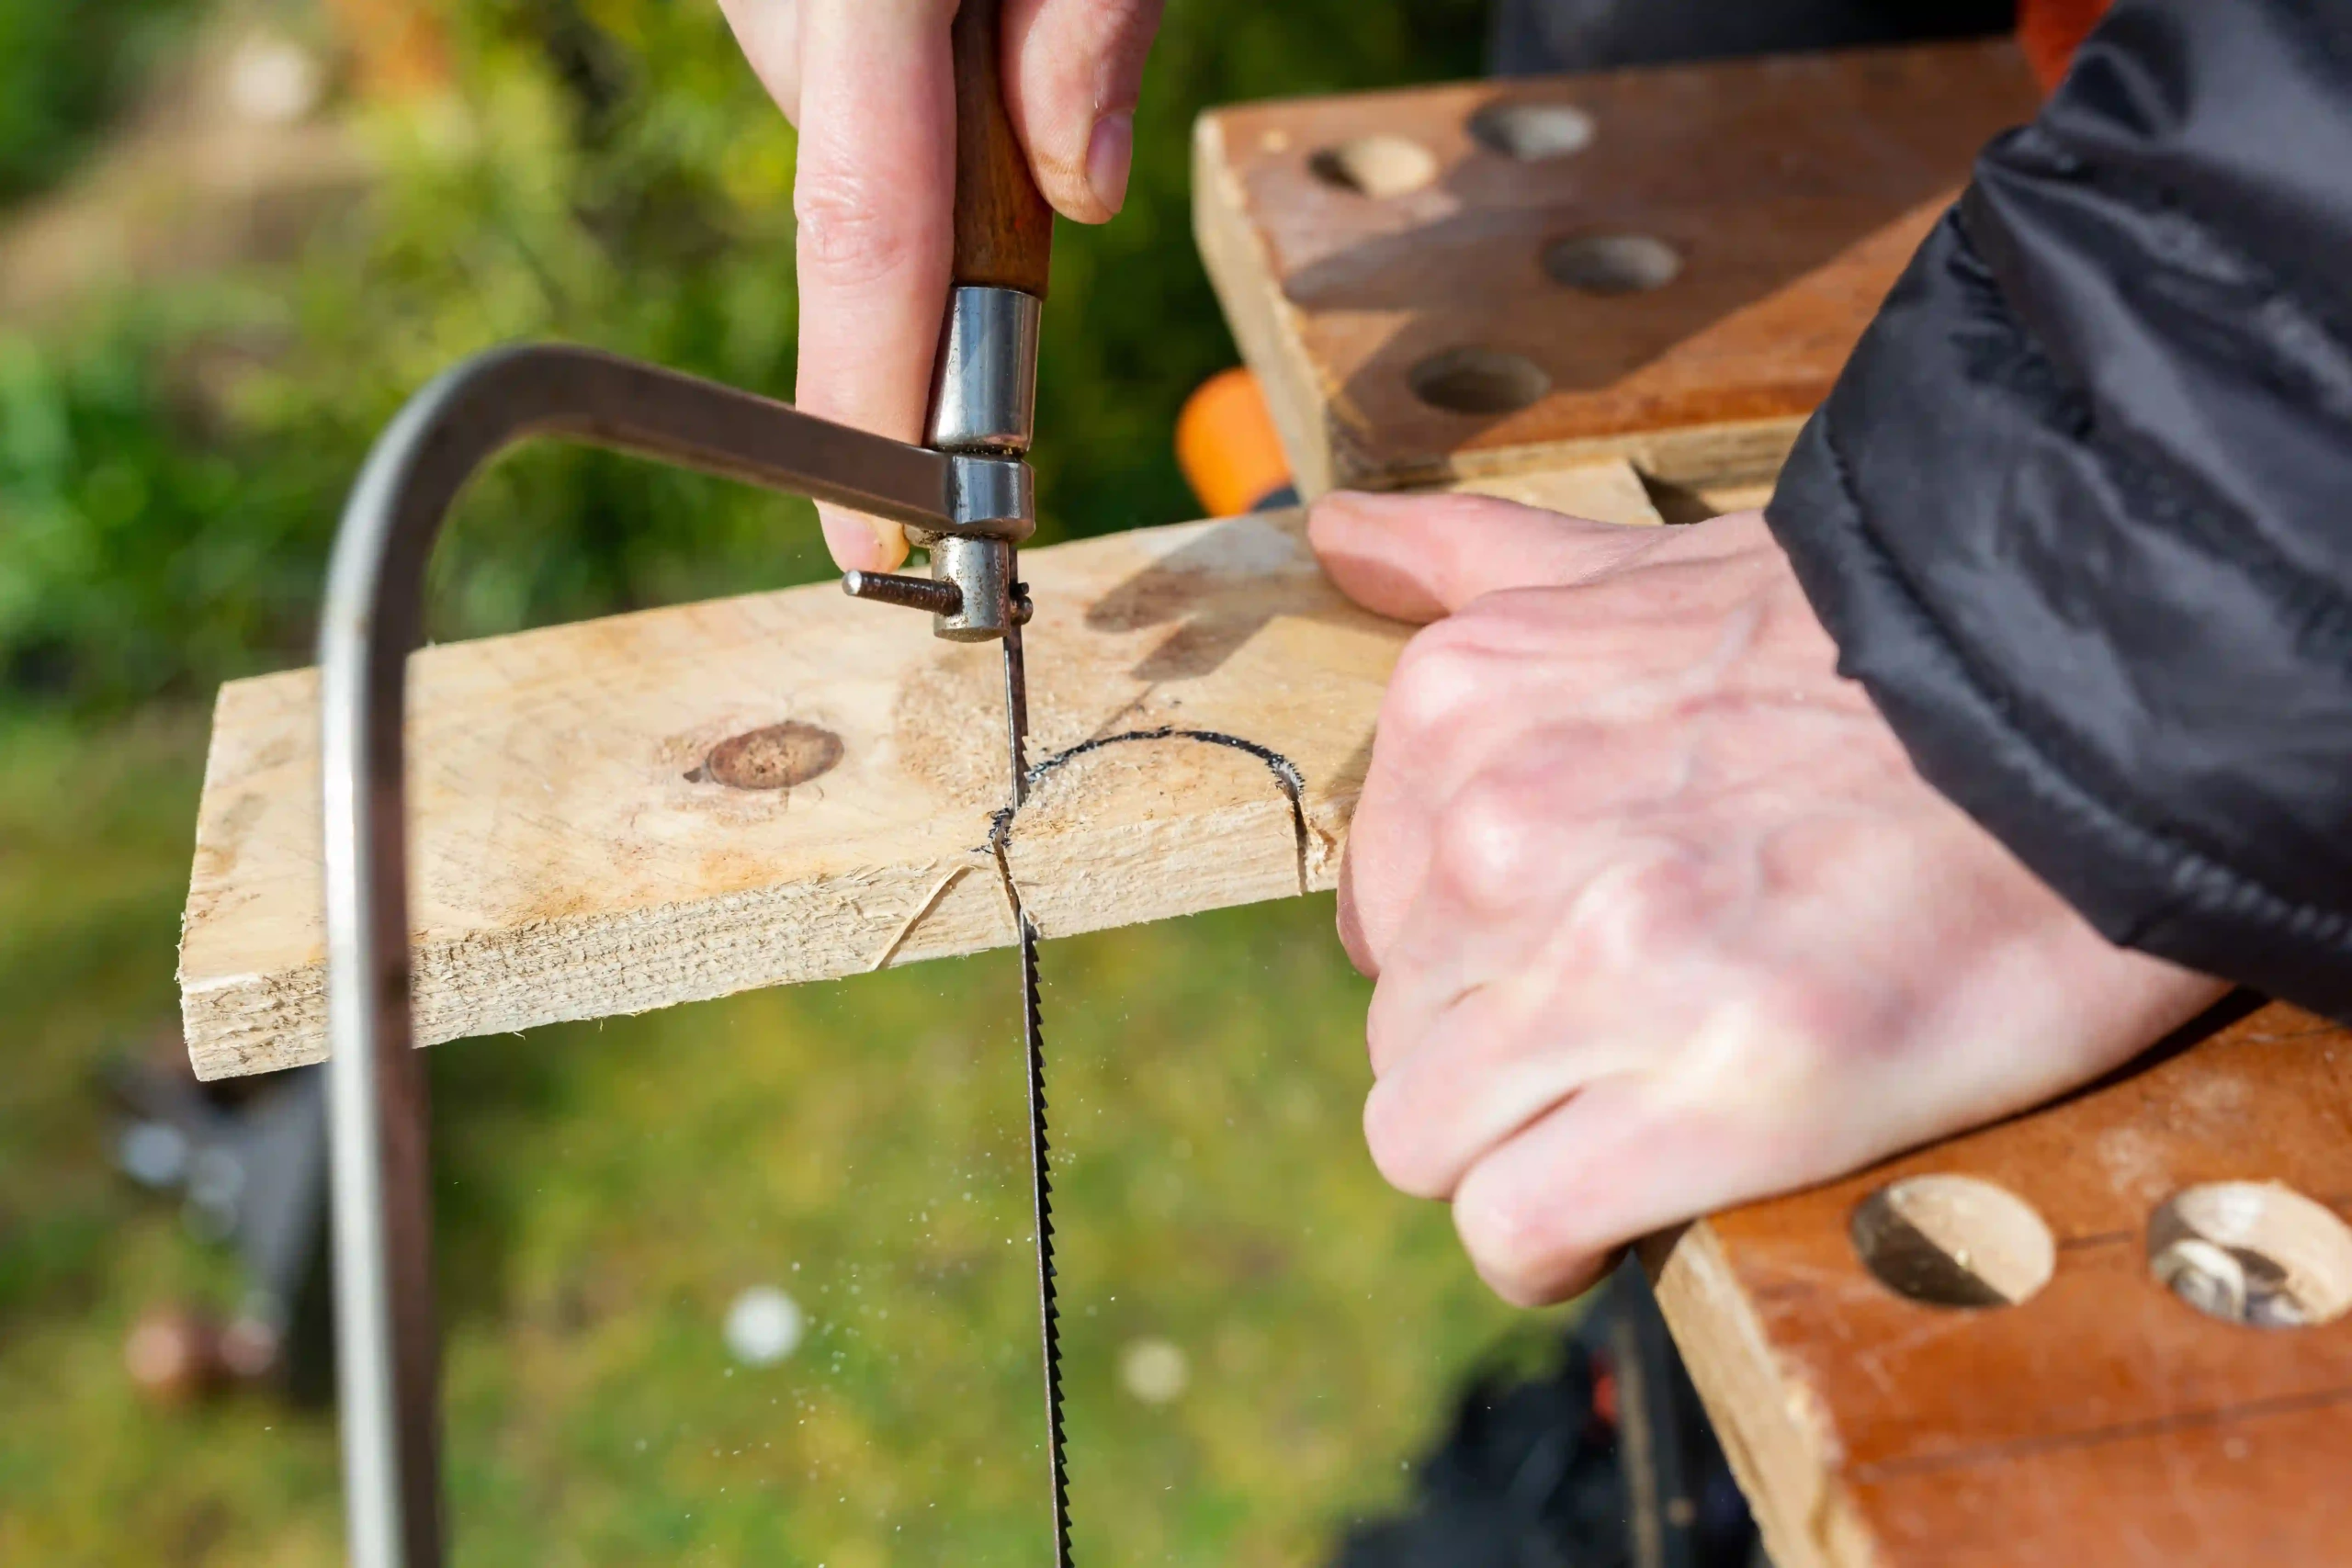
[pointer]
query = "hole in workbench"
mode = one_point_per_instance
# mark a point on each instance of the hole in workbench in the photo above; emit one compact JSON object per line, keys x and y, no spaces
{"x":1532,"y":132}
{"x":2253,"y":1252}
{"x":1954,"y":1241}
{"x":1478,"y":380}
{"x":1612,"y":264}
{"x":1378,"y":166}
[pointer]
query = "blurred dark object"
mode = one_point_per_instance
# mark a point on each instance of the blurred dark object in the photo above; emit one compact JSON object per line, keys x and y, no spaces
{"x":1531,"y":38}
{"x":227,"y":157}
{"x":249,"y":1161}
{"x":1607,"y":1463}
{"x":174,"y":1355}
{"x":64,"y":72}
{"x":177,"y":1354}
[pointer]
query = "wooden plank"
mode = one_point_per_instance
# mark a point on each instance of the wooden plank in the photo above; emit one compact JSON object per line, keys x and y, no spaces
{"x":2102,"y":1419}
{"x":1357,"y":242}
{"x":575,"y":856}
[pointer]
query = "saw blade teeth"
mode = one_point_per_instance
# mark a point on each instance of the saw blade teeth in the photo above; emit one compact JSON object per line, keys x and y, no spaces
{"x":1016,"y":713}
{"x":1049,"y":1311}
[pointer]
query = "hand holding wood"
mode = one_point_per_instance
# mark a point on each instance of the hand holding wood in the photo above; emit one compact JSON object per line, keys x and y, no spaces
{"x":1661,"y":917}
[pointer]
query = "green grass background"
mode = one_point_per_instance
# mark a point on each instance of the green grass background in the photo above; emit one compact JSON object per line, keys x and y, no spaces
{"x":170,"y":463}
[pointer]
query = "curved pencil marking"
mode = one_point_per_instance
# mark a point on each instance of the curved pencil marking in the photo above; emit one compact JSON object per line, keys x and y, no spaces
{"x":1287,"y":778}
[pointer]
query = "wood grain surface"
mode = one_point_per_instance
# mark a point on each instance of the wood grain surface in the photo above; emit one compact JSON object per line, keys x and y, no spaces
{"x":2101,"y":1421}
{"x":1789,"y":192}
{"x":623,"y":814}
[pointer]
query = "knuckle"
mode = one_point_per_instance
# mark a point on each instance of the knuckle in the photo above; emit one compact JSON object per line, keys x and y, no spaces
{"x":1438,"y":677}
{"x":1636,"y":908}
{"x":1397,"y":1135}
{"x":1350,"y":923}
{"x":1081,"y":60}
{"x":1783,"y":1041}
{"x":1383,"y":1041}
{"x":1377,"y":878}
{"x":848,"y":236}
{"x":1091,"y":52}
{"x":1790,"y":1023}
{"x":1503,"y":1229}
{"x":1490,"y":841}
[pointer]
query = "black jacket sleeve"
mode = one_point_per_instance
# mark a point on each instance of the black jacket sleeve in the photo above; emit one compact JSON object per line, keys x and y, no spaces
{"x":2079,"y":511}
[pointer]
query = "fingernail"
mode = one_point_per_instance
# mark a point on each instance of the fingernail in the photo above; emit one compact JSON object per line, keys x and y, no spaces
{"x":1374,"y":503}
{"x":1110,"y":157}
{"x":860,"y":543}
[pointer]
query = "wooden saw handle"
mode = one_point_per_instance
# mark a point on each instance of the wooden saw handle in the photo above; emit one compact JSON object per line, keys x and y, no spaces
{"x":1005,"y":230}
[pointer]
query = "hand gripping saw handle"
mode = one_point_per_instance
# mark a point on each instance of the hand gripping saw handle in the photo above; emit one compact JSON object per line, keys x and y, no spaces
{"x":967,"y":497}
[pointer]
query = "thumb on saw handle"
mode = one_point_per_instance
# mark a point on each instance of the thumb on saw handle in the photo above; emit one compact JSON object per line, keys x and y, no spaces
{"x":1004,"y":229}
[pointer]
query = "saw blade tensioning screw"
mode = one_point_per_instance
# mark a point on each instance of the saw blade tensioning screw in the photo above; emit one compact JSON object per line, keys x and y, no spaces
{"x":925,"y":593}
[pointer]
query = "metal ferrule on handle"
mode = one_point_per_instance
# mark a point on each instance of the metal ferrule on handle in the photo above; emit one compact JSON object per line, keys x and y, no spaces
{"x":985,"y":396}
{"x":984,"y":404}
{"x":387,"y":1344}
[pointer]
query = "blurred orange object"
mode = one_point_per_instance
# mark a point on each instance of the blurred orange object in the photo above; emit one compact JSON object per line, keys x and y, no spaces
{"x":400,"y":47}
{"x":2049,"y":32}
{"x":1227,"y":446}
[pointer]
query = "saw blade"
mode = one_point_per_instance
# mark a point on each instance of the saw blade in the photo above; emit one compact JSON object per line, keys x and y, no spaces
{"x":1048,"y":1316}
{"x":1016,"y":713}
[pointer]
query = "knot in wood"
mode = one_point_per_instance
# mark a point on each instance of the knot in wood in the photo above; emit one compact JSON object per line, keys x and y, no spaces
{"x":777,"y":757}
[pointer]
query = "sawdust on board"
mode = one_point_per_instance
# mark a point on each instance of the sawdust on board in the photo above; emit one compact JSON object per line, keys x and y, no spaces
{"x":1158,"y":778}
{"x":947,"y":724}
{"x":1138,"y":776}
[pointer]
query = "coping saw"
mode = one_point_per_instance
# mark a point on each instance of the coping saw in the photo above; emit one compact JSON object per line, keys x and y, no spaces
{"x":967,"y":497}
